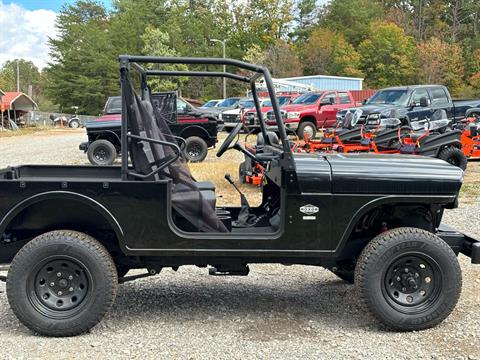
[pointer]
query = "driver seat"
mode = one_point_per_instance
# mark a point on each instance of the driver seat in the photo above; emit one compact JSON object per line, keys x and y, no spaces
{"x":194,"y":201}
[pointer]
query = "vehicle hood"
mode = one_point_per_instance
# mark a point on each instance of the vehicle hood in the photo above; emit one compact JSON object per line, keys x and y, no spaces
{"x":372,"y":109}
{"x":232,"y":112}
{"x":106,"y":120}
{"x":217,"y":110}
{"x":264,"y":109}
{"x":297,"y":107}
{"x":377,"y":174}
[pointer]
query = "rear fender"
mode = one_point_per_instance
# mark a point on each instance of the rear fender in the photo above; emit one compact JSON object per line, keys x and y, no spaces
{"x":43,"y":198}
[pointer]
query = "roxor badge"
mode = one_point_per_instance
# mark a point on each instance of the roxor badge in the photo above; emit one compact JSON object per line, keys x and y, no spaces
{"x":309,"y":209}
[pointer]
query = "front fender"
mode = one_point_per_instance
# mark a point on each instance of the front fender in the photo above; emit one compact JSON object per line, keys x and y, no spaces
{"x":386,"y":200}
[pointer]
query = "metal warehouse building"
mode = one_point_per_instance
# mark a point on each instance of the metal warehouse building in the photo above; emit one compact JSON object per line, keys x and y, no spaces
{"x":323,"y":82}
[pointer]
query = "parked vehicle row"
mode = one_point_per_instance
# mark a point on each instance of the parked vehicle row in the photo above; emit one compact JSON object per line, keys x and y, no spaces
{"x":197,"y":128}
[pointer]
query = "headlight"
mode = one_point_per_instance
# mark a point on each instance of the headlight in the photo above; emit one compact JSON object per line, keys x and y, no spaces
{"x":293,"y":115}
{"x":220,"y":116}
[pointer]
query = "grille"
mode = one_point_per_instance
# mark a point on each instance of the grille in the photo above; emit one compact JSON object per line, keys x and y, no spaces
{"x":232,"y":118}
{"x":271,"y":115}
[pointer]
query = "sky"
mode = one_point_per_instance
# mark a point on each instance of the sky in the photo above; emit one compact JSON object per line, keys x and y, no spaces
{"x":26,"y":25}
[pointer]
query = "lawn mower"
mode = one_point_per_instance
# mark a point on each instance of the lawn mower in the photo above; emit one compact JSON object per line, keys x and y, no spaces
{"x":471,"y":134}
{"x":251,"y":171}
{"x":429,"y":137}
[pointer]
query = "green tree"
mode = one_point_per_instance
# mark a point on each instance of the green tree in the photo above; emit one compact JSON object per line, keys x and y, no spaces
{"x":440,"y":63}
{"x":156,"y":43}
{"x":29,"y":75}
{"x":387,"y":55}
{"x":84,"y":70}
{"x":327,"y":52}
{"x":280,"y":58}
{"x":352,"y":18}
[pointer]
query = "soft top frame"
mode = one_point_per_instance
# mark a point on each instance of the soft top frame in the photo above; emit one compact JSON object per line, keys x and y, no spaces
{"x":128,"y":62}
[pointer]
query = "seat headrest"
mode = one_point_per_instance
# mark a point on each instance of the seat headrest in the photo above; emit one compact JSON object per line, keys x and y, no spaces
{"x":272,"y":136}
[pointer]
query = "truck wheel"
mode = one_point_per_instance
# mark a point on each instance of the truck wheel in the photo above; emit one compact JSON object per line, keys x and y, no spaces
{"x":242,"y":173}
{"x":101,"y":152}
{"x":454,"y":156}
{"x":62,"y":283}
{"x":409,"y":279}
{"x":307,"y":127}
{"x":74,"y":124}
{"x":196,"y":149}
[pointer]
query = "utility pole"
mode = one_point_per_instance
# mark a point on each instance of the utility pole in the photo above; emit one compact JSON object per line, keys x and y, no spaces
{"x":18,"y":78}
{"x":223,"y":42}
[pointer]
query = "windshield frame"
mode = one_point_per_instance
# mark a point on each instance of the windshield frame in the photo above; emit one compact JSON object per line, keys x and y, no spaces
{"x":233,"y":101}
{"x":298,"y":100}
{"x":214,"y":102}
{"x":405,"y":93}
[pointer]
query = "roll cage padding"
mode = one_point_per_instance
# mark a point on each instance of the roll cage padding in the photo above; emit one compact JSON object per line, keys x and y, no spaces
{"x":160,"y":159}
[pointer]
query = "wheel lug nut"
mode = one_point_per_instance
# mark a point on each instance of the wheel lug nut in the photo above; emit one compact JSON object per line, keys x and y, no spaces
{"x":404,"y":289}
{"x":417,"y":275}
{"x":398,"y":278}
{"x":60,"y":293}
{"x":59,"y":274}
{"x":70,"y":277}
{"x":71,"y":289}
{"x":52,"y":284}
{"x":405,"y":270}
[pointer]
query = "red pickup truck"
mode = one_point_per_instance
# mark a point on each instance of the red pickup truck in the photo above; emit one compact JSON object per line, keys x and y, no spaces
{"x":314,"y":110}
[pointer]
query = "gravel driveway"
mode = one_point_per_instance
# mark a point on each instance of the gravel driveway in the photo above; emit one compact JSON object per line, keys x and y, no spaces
{"x":276,"y":312}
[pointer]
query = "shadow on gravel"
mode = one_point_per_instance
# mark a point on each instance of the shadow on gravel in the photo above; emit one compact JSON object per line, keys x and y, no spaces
{"x":266,"y":310}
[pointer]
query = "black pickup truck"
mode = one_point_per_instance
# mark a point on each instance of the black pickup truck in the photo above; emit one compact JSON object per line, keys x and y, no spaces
{"x":197,"y":128}
{"x":72,"y":233}
{"x":416,"y":102}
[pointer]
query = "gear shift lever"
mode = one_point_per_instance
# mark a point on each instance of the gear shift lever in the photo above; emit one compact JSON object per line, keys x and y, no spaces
{"x":244,"y":214}
{"x":243,"y":199}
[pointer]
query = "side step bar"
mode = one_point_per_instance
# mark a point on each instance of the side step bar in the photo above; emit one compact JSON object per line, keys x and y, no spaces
{"x":459,"y":242}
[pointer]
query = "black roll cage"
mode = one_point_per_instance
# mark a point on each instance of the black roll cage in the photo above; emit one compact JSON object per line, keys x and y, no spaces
{"x":133,"y":62}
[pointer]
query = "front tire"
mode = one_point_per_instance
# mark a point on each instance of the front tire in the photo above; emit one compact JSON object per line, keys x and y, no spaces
{"x":409,"y":279}
{"x":62,"y":283}
{"x":196,"y":149}
{"x":307,"y":127}
{"x":454,"y":156}
{"x":101,"y":153}
{"x":74,"y":124}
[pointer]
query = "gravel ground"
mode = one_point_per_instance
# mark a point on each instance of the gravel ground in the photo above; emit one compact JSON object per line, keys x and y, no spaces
{"x":275,"y":312}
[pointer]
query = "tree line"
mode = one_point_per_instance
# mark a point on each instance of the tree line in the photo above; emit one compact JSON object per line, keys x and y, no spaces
{"x":387,"y":42}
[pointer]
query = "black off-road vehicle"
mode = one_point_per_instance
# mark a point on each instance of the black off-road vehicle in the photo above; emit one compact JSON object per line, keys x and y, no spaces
{"x":197,"y":128}
{"x":71,"y":233}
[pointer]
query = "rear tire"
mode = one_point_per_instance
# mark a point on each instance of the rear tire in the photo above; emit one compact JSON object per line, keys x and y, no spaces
{"x":306,"y":127}
{"x":101,"y":153}
{"x":196,"y":149}
{"x":409,"y":279}
{"x":454,"y":156}
{"x":74,"y":124}
{"x":62,"y":283}
{"x":242,"y":173}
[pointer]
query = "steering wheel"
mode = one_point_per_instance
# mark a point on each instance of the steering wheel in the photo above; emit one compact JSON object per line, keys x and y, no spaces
{"x":228,"y":141}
